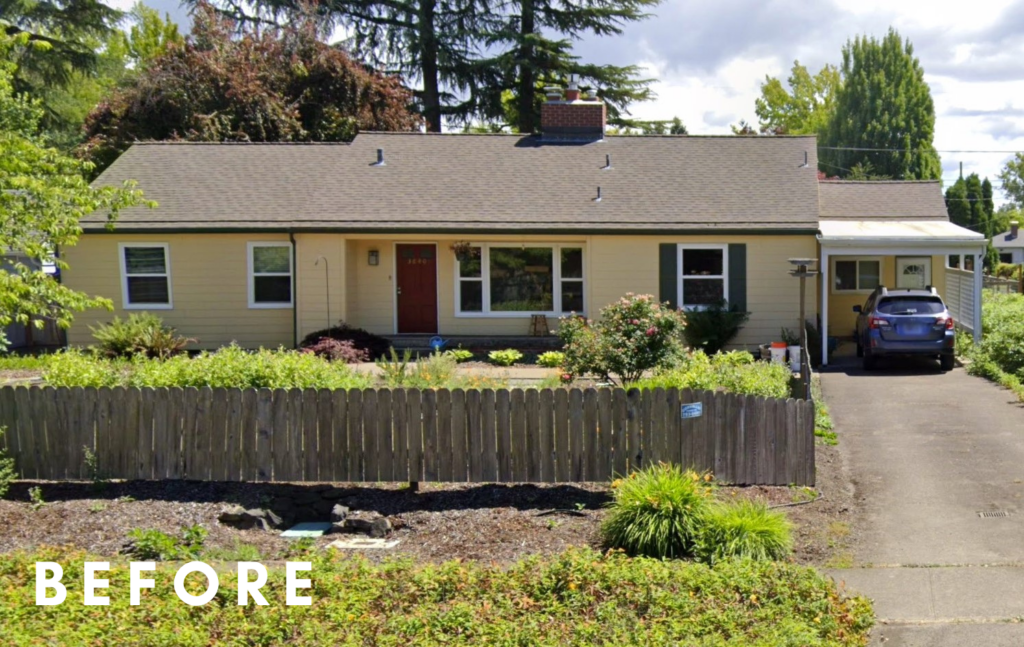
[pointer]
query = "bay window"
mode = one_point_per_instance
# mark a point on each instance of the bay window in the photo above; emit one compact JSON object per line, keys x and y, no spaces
{"x":505,"y":280}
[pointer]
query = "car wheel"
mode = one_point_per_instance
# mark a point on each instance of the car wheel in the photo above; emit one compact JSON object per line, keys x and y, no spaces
{"x":869,"y":361}
{"x":946,"y":362}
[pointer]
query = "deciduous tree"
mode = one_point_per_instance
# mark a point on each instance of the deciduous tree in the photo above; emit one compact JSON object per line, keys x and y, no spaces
{"x":43,"y":195}
{"x":804,"y":108}
{"x":268,"y":85}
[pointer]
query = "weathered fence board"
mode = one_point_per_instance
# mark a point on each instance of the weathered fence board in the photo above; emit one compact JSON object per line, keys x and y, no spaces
{"x":402,"y":435}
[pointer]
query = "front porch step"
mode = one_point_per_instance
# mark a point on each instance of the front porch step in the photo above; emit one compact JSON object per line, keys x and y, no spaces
{"x":421,"y":343}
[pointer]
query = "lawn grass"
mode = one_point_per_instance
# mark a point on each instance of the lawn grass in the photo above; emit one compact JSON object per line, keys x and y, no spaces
{"x":580,"y":597}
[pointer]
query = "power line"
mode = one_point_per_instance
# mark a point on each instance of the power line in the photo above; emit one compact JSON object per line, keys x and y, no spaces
{"x":915,"y":150}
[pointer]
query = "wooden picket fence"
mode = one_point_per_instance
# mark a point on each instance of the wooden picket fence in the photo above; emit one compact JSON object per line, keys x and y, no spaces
{"x":380,"y":435}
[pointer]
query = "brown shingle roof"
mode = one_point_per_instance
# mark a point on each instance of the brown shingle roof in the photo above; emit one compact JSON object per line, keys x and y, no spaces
{"x":475,"y":182}
{"x":894,"y":200}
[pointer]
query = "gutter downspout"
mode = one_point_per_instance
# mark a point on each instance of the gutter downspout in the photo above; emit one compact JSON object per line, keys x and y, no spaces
{"x":295,"y":292}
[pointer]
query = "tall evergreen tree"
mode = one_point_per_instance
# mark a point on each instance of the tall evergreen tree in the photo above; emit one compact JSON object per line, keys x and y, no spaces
{"x":885,"y":105}
{"x":528,"y":58}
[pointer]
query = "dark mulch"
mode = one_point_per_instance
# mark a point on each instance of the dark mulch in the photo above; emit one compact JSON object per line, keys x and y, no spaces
{"x":491,"y":523}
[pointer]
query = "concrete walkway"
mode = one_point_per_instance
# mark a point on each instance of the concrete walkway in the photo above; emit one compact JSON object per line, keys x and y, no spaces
{"x":929,"y":454}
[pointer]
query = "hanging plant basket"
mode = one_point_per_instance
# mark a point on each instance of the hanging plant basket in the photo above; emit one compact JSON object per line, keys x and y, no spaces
{"x":464,"y":251}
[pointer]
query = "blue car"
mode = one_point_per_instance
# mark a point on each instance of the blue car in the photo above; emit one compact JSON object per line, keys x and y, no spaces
{"x":904,"y":322}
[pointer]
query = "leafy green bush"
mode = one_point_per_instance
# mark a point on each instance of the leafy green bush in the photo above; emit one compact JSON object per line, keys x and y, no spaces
{"x":395,"y":370}
{"x":999,"y":356}
{"x":141,"y":333}
{"x":657,"y":512}
{"x":735,"y":372}
{"x":1007,"y":270}
{"x":374,"y":345}
{"x":578,"y":598}
{"x":506,"y":357}
{"x":712,"y":328}
{"x":157,"y":545}
{"x":7,"y":473}
{"x":460,"y":354}
{"x":231,"y":367}
{"x":744,"y":529}
{"x":551,"y":359}
{"x":22,"y":362}
{"x":436,"y":370}
{"x":633,"y":335}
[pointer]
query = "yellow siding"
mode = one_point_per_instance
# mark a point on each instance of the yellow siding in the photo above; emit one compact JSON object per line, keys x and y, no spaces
{"x":842,"y":320}
{"x":209,"y":284}
{"x":615,"y":265}
{"x":313,"y":281}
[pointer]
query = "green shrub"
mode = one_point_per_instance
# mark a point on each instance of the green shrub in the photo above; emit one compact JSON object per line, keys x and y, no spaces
{"x":577,"y":598}
{"x":657,"y":512}
{"x":460,"y":354}
{"x":736,"y":372}
{"x":436,"y":370}
{"x":141,"y":333}
{"x":633,"y":335}
{"x":1007,"y":270}
{"x":999,"y":356}
{"x":7,"y":473}
{"x":395,"y":371}
{"x":551,"y":359}
{"x":506,"y":357}
{"x":230,"y":367}
{"x":713,"y":327}
{"x":157,"y":545}
{"x":23,"y":362}
{"x":744,"y":529}
{"x":374,"y":345}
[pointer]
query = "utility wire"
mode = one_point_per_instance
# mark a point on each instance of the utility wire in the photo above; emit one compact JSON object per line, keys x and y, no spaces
{"x":914,"y":150}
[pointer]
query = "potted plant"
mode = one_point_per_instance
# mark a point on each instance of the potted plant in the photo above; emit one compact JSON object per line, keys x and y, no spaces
{"x":792,"y":340}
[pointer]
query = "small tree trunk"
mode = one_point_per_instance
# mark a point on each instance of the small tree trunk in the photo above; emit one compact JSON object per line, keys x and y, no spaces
{"x":428,"y":56}
{"x":527,"y":74}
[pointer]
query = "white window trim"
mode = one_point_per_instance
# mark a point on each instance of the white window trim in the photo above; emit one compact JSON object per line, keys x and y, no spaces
{"x":680,"y":248}
{"x":253,"y":305}
{"x":485,"y":278}
{"x":857,"y":259}
{"x":125,"y":301}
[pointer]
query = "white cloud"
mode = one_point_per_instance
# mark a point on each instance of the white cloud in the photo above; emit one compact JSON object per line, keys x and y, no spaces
{"x":710,"y":59}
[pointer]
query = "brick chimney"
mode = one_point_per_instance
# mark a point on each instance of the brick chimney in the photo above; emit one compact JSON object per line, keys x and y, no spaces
{"x":1014,"y":225}
{"x":572,"y":118}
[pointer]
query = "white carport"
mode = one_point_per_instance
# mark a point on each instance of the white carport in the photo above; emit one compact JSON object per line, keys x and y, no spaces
{"x":883,"y":237}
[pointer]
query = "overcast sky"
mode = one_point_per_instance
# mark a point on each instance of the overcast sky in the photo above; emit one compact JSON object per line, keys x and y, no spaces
{"x":710,"y":57}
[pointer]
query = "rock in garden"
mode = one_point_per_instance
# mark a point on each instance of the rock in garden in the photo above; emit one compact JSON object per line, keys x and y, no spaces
{"x":339,"y":512}
{"x":371,"y":524}
{"x":232,"y":514}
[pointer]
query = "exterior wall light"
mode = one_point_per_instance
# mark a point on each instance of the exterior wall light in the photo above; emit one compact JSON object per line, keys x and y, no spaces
{"x":373,"y":258}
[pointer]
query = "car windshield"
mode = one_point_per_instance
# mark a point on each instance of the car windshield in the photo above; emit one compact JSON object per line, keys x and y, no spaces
{"x":911,"y":306}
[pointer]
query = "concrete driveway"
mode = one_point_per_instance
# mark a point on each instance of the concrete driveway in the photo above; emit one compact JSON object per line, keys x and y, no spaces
{"x":937,"y":465}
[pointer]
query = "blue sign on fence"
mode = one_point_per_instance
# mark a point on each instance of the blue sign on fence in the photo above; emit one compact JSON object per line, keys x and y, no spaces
{"x":695,"y":410}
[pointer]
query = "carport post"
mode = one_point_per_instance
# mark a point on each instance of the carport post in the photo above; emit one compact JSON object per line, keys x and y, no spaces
{"x":977,"y":295}
{"x":824,"y":307}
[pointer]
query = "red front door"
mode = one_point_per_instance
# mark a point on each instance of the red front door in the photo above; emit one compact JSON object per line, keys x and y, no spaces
{"x":416,"y":285}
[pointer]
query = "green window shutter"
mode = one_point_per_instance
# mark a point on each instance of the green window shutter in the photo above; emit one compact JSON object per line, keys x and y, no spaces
{"x":738,"y":276}
{"x":668,"y":274}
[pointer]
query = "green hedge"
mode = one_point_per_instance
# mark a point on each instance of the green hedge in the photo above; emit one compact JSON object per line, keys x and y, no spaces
{"x":736,"y":372}
{"x":578,"y":598}
{"x":230,"y":367}
{"x":1000,"y":354}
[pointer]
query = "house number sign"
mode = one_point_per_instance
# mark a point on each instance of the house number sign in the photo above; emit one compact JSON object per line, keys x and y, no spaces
{"x":694,"y":410}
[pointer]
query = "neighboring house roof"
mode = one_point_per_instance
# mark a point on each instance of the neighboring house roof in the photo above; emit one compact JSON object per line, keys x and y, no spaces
{"x":1007,"y":240}
{"x":883,"y":200}
{"x":475,"y":183}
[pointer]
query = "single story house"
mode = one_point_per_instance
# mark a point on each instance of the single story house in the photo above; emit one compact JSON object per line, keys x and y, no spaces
{"x":1010,"y":245}
{"x":464,"y":234}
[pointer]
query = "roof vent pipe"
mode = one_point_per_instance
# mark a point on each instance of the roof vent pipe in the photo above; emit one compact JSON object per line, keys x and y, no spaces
{"x":805,"y":164}
{"x":607,"y":163}
{"x":380,"y":158}
{"x":598,"y":198}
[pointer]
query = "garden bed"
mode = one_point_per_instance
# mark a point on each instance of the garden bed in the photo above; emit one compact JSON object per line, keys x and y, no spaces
{"x":492,"y":523}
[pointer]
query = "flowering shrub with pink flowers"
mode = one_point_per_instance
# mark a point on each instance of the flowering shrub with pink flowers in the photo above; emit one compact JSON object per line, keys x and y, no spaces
{"x":633,"y":335}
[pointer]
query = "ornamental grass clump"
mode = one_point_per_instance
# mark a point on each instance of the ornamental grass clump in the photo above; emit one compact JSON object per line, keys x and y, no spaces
{"x":658,"y":512}
{"x":744,"y":529}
